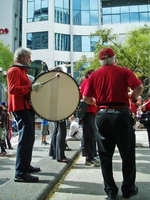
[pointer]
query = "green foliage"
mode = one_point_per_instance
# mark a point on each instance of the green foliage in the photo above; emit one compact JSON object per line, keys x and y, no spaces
{"x":132,"y":53}
{"x":6,"y":59}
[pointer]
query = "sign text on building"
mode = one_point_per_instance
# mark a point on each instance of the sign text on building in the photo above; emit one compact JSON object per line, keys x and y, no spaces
{"x":4,"y":31}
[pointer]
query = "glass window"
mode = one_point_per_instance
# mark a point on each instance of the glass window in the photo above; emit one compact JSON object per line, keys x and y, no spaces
{"x":134,"y":8}
{"x":94,"y":17}
{"x":85,"y":12}
{"x":85,"y":44}
{"x":62,"y":42}
{"x":85,"y":18}
{"x":30,"y":11}
{"x":106,"y":19}
{"x":125,"y":18}
{"x":62,"y":12}
{"x":148,"y":7}
{"x":66,"y":4}
{"x":106,"y":10}
{"x":134,"y":17}
{"x":76,"y":4}
{"x":125,"y":9}
{"x":37,"y":40}
{"x":143,"y":17}
{"x":93,"y":42}
{"x":93,"y":5}
{"x":76,"y":17}
{"x":115,"y":19}
{"x":37,"y":11}
{"x":85,"y":5}
{"x":115,"y":10}
{"x":77,"y":41}
{"x":44,"y":4}
{"x":143,"y":8}
{"x":59,"y":3}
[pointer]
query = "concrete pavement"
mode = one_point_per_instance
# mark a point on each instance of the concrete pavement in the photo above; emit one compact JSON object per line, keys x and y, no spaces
{"x":82,"y":182}
{"x":86,"y":182}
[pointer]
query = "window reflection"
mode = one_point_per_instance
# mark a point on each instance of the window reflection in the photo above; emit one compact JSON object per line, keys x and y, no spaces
{"x":134,"y":8}
{"x":84,"y":43}
{"x":144,"y":17}
{"x":115,"y":10}
{"x":37,"y":10}
{"x":85,"y":12}
{"x":123,"y":14}
{"x":134,"y":17}
{"x":115,"y":19}
{"x":62,"y":13}
{"x":38,"y":40}
{"x":93,"y":17}
{"x":62,"y":42}
{"x":124,"y":18}
{"x":85,"y":17}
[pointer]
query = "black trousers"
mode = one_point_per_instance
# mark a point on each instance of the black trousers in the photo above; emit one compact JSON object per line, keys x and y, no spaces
{"x":89,"y":135}
{"x":26,"y":126}
{"x":57,"y":147}
{"x":115,"y":129}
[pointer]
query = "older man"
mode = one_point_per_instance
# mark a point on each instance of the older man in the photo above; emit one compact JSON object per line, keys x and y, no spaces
{"x":19,"y":87}
{"x":107,"y":87}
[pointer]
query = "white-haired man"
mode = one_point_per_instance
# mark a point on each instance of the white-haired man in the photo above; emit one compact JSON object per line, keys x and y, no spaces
{"x":108,"y":88}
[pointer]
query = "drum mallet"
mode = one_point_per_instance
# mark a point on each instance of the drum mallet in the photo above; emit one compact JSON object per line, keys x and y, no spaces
{"x":56,"y":76}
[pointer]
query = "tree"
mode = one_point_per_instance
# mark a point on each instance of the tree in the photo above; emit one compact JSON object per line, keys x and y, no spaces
{"x":6,"y":59}
{"x":133,"y":52}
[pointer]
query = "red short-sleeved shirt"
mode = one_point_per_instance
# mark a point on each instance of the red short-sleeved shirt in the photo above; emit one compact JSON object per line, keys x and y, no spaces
{"x":110,"y":84}
{"x":91,"y":108}
{"x":147,"y":106}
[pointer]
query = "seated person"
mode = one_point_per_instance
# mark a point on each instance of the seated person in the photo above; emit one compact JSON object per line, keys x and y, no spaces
{"x":75,"y":132}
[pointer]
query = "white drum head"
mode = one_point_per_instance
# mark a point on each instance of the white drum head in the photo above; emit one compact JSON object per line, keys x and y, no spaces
{"x":58,"y":98}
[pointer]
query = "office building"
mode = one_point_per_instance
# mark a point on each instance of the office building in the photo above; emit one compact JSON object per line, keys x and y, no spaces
{"x":58,"y":31}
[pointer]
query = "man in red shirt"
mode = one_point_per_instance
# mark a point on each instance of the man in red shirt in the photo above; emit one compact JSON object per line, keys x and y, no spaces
{"x":107,"y":87}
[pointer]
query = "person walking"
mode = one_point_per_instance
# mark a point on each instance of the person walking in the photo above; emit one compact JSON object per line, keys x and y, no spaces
{"x":44,"y":131}
{"x":19,"y":88}
{"x":107,"y":88}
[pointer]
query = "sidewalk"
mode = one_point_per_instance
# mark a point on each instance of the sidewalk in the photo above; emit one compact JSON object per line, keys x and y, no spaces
{"x":51,"y":172}
{"x":82,"y":182}
{"x":86,"y":182}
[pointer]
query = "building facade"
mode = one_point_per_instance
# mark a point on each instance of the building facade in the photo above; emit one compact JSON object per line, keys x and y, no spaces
{"x":57,"y":31}
{"x":10,"y":28}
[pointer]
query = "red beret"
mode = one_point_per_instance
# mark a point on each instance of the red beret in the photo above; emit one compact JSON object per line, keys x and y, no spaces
{"x":106,"y":53}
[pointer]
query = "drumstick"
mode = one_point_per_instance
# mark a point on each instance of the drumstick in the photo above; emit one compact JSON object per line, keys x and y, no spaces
{"x":56,"y":76}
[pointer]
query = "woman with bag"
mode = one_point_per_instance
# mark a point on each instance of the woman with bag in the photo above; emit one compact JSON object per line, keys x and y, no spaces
{"x":146,"y":110}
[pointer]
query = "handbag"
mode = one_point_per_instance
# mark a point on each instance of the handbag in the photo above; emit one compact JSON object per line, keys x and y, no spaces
{"x":81,"y":110}
{"x":145,"y":118}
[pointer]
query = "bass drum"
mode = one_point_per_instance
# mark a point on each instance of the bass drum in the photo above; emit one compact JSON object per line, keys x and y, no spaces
{"x":58,"y":98}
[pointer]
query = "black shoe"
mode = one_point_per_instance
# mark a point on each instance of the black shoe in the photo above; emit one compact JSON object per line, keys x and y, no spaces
{"x":10,"y":147}
{"x":134,"y":192}
{"x":34,"y":169}
{"x":27,"y":178}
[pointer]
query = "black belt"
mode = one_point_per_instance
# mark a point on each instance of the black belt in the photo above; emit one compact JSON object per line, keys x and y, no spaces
{"x":112,"y":110}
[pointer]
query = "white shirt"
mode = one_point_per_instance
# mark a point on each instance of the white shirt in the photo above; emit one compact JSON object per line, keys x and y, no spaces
{"x":75,"y":129}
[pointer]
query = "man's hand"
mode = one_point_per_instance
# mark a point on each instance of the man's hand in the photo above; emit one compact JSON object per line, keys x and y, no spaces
{"x":36,"y":86}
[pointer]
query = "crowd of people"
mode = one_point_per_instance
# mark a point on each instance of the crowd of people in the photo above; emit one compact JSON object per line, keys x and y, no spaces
{"x":113,"y":95}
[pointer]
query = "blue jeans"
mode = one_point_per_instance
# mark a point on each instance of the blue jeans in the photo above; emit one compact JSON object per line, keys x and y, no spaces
{"x":57,"y":147}
{"x":26,"y":126}
{"x":115,"y":129}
